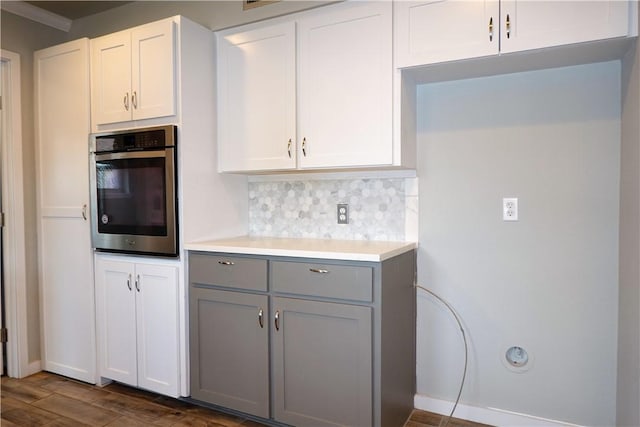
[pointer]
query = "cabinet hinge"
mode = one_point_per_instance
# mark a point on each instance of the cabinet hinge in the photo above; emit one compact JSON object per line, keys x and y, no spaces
{"x":3,"y":335}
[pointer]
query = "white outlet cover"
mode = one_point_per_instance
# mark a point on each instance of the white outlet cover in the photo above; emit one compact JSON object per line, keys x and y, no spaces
{"x":510,"y":209}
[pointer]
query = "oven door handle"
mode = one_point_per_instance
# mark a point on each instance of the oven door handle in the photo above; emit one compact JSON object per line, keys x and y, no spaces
{"x":164,"y":152}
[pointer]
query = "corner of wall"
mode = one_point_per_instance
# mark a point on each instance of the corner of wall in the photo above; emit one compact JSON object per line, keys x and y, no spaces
{"x":628,"y":386}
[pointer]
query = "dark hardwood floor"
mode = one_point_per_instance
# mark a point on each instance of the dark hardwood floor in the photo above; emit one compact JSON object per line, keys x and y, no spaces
{"x":46,"y":399}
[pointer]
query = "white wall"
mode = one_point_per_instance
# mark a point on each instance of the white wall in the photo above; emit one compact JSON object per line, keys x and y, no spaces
{"x":549,"y":282}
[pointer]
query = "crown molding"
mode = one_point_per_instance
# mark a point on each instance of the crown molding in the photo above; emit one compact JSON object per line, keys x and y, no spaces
{"x":36,"y":14}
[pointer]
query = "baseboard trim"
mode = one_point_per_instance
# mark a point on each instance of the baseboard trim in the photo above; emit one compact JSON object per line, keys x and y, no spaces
{"x":33,"y":368}
{"x":492,"y":416}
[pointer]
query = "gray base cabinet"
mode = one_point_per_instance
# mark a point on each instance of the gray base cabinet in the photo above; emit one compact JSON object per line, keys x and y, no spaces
{"x":230,"y":350}
{"x":304,"y":342}
{"x":322,"y":366}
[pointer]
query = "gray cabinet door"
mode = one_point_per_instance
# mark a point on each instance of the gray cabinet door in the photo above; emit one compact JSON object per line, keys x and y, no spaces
{"x":230,"y":350}
{"x":322,"y":366}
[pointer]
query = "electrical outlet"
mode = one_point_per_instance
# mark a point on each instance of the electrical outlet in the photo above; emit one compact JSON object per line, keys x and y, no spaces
{"x":343,"y":213}
{"x":510,"y":209}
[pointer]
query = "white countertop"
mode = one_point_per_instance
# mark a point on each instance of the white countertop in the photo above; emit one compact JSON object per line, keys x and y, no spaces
{"x":349,"y":250}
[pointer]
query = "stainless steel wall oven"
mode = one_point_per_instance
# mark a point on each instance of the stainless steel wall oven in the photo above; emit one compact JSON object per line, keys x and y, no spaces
{"x":133,"y":191}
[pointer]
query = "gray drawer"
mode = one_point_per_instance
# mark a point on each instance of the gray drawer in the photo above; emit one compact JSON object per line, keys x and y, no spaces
{"x":228,"y":271}
{"x":323,"y":280}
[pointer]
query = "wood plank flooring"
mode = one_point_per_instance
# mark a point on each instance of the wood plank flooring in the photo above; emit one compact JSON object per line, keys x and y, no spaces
{"x":46,"y":399}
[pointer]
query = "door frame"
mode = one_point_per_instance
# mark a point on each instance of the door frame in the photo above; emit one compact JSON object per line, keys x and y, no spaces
{"x":14,"y":246}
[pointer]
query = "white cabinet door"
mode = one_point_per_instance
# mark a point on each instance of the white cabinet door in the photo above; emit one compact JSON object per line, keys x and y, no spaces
{"x":527,"y":24}
{"x":64,"y":244}
{"x":137,"y":311}
{"x":428,"y":32}
{"x":345,"y":87}
{"x":256,"y":104}
{"x":152,"y":70}
{"x":157,"y":325}
{"x":111,"y":78}
{"x":116,"y":314}
{"x":133,"y":74}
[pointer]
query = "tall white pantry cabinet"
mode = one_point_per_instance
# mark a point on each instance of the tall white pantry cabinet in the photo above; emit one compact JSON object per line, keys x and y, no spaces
{"x":65,"y":270}
{"x":149,"y":346}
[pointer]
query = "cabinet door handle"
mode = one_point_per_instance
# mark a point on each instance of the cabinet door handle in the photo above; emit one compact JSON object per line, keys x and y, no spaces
{"x":138,"y":283}
{"x":491,"y":29}
{"x":84,"y":211}
{"x":126,"y":101}
{"x":277,"y":320}
{"x":318,"y":270}
{"x":134,"y":99}
{"x":129,"y":282}
{"x":226,"y":263}
{"x":304,"y":147}
{"x":508,"y":26}
{"x":260,"y":321}
{"x":289,"y":148}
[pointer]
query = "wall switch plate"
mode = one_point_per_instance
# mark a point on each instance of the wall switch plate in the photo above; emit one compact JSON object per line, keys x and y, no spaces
{"x":343,"y":213}
{"x":510,"y":209}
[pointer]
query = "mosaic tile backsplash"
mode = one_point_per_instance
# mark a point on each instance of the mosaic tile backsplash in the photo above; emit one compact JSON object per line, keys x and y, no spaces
{"x":308,"y":209}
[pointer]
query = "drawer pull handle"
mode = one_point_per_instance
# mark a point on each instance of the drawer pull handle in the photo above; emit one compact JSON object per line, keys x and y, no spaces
{"x":129,"y":282}
{"x":138,"y":282}
{"x":277,"y":320}
{"x":260,"y":321}
{"x":318,"y":270}
{"x":226,"y":262}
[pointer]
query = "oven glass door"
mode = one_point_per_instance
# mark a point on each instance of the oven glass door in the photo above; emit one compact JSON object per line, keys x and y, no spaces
{"x":131,"y":196}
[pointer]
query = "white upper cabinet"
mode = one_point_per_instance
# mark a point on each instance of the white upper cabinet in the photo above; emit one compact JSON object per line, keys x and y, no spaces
{"x":257,"y":98}
{"x":537,"y":24}
{"x":133,"y":75}
{"x":111,"y":78}
{"x":345,"y":87}
{"x":309,"y":91}
{"x":436,"y":31}
{"x":429,"y":32}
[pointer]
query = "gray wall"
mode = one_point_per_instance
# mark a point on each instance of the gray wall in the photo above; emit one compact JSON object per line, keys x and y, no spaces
{"x":549,"y":282}
{"x":23,"y":37}
{"x":629,"y":323}
{"x":211,"y":14}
